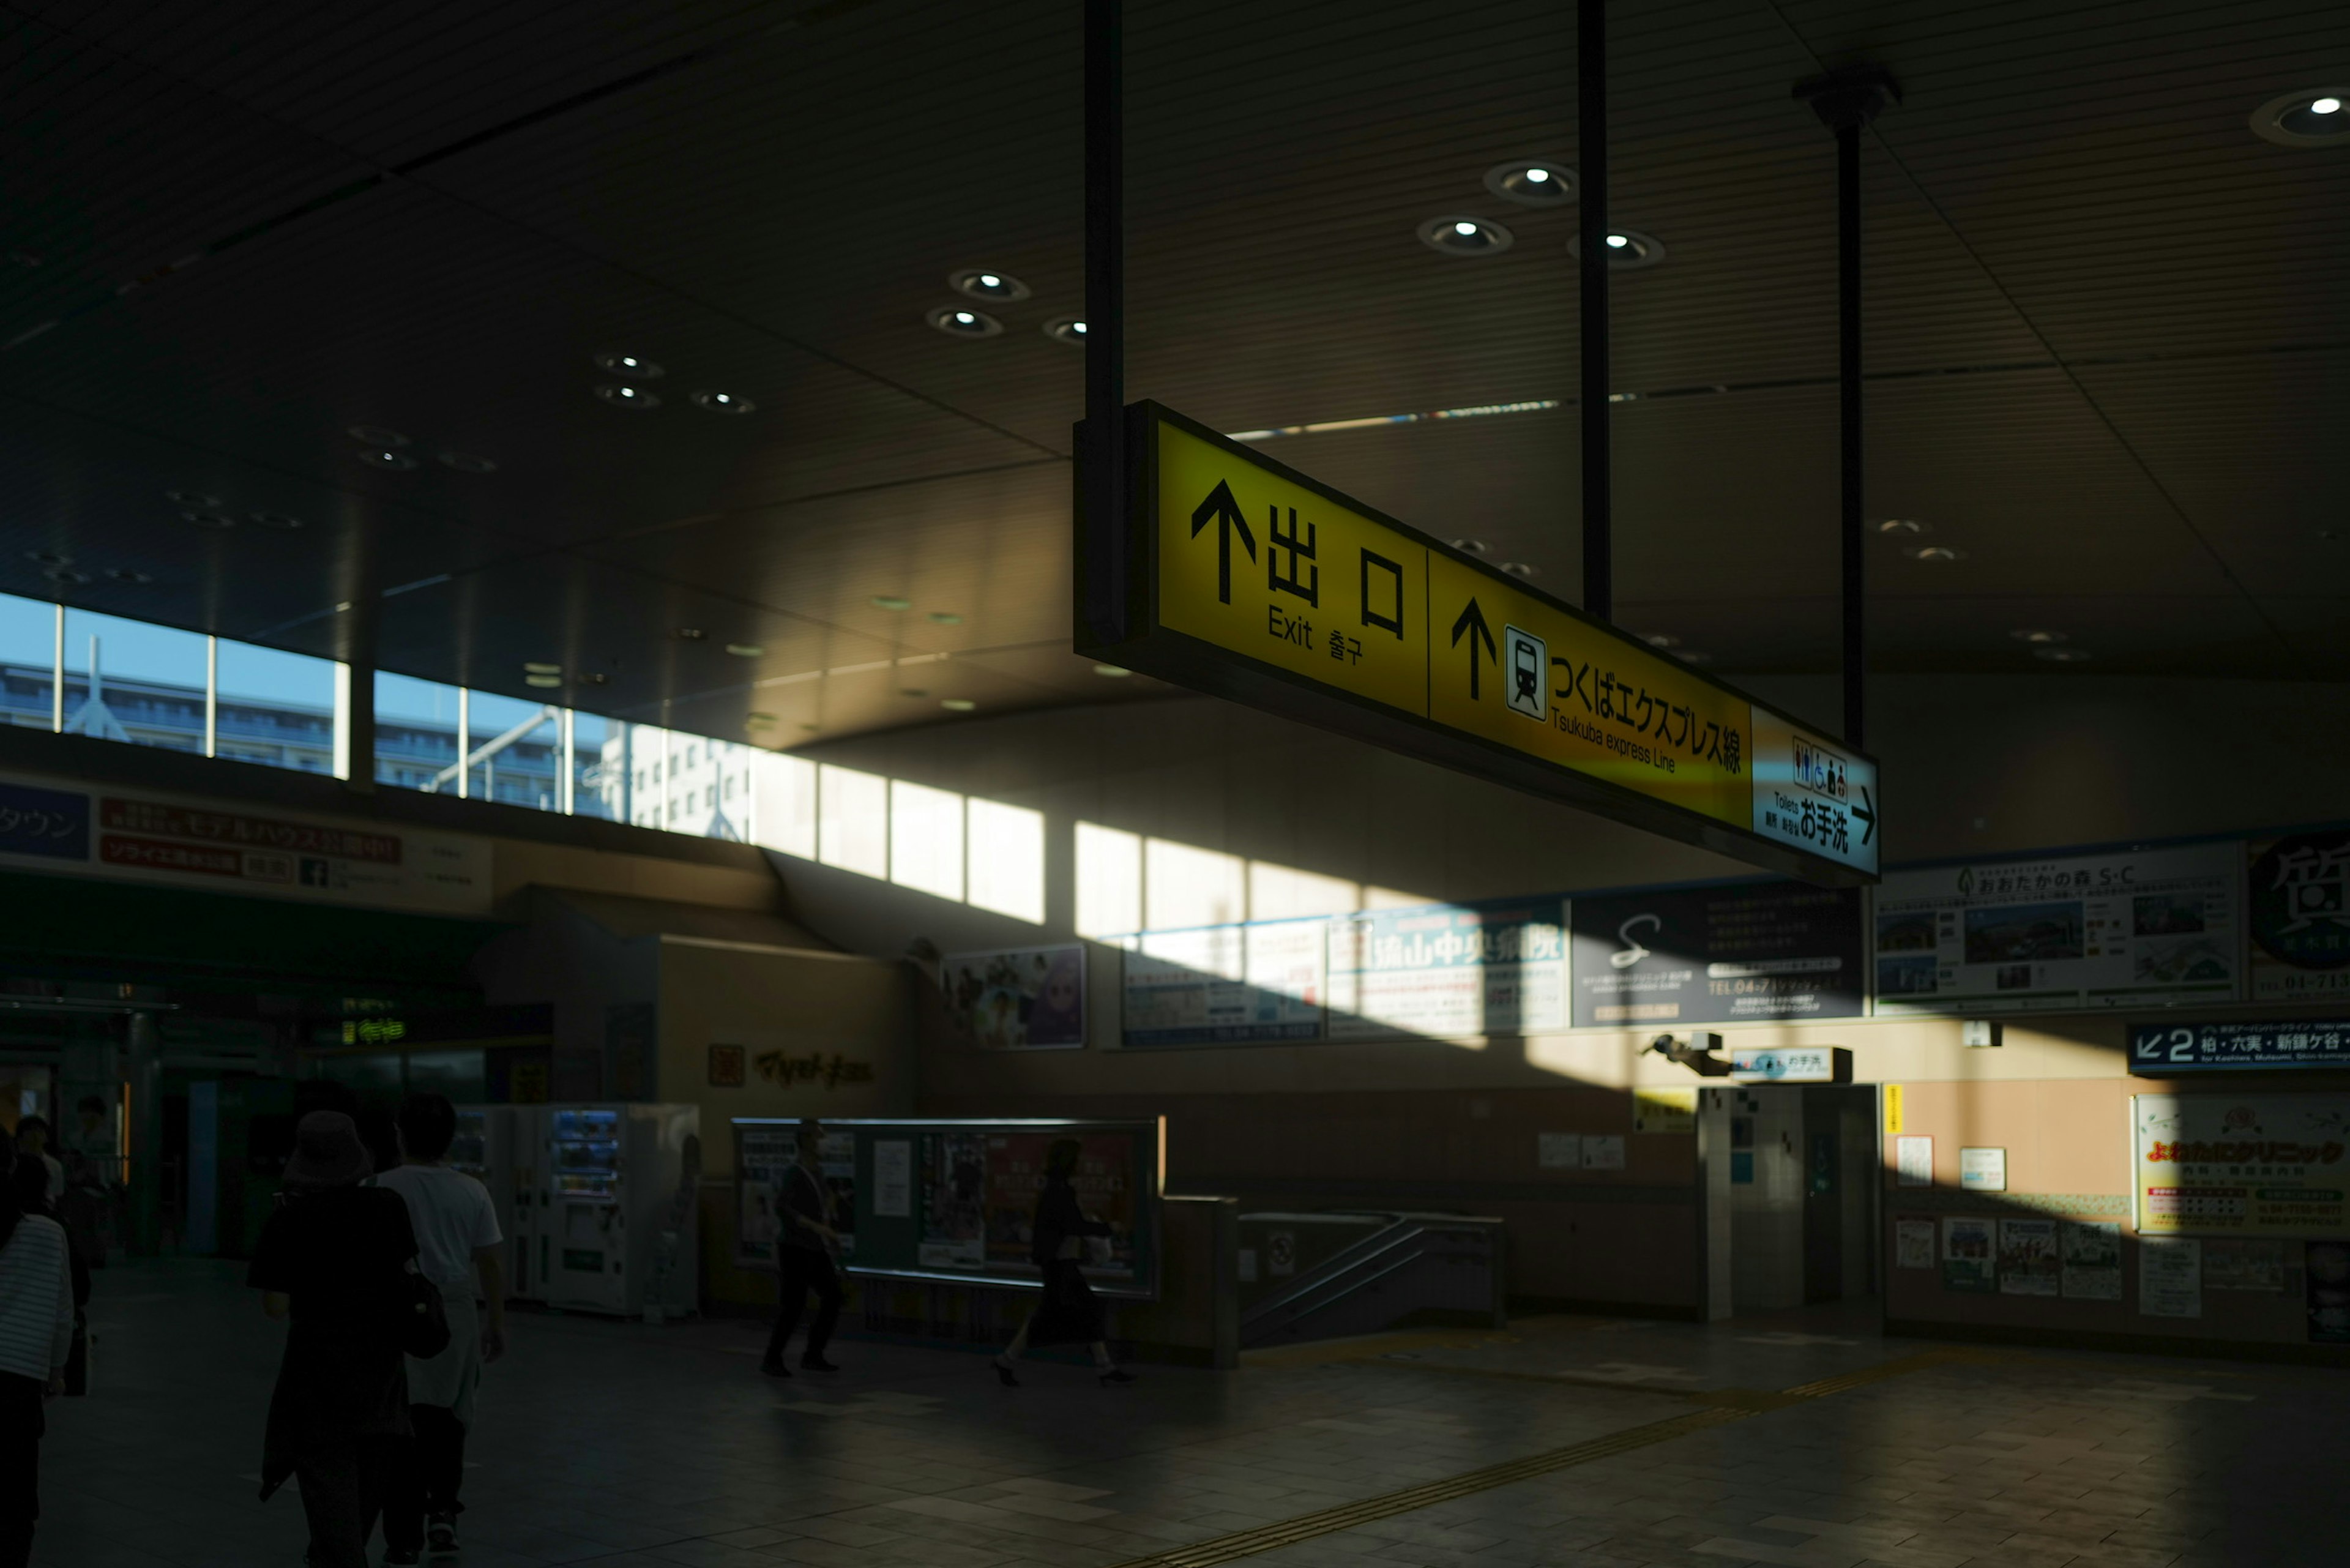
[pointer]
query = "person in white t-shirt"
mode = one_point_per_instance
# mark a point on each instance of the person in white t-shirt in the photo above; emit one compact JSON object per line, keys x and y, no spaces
{"x":456,"y":1234}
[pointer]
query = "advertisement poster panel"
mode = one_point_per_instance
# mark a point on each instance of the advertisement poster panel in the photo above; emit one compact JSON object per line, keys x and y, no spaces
{"x":2326,"y":1268}
{"x":2297,"y":910}
{"x":2241,"y":1165}
{"x":954,"y":1201}
{"x":1970,"y":1254}
{"x":1015,"y":1175}
{"x":2083,"y":930}
{"x":1021,"y":999}
{"x":1449,"y":970}
{"x":1222,"y":985}
{"x":2093,"y":1261}
{"x":182,"y":841}
{"x":1718,"y":955}
{"x":2169,"y":1277}
{"x":2028,"y":1260}
{"x":1913,"y":1241}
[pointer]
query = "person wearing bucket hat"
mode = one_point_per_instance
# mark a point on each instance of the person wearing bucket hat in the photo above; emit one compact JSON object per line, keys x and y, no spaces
{"x":334,"y":1259}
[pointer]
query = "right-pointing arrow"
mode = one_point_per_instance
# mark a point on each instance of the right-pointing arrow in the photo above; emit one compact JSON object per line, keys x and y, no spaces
{"x":1472,"y":621}
{"x":1865,"y":812}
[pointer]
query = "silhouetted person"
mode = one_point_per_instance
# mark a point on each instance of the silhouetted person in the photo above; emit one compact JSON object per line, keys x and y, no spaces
{"x":33,"y":1143}
{"x":36,"y":1320}
{"x":1069,"y":1313}
{"x":335,"y":1256}
{"x":805,"y":1245}
{"x":456,"y":1233}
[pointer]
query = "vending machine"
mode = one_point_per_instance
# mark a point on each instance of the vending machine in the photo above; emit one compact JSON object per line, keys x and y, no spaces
{"x":605,"y":1206}
{"x":503,"y":1146}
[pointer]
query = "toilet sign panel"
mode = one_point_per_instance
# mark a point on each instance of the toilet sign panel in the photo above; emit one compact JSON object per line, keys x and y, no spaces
{"x":1235,"y":575}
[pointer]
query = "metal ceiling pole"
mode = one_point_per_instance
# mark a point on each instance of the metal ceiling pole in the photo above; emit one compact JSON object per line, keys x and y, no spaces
{"x":1591,"y":112}
{"x":1102,"y":610}
{"x":1845,"y":101}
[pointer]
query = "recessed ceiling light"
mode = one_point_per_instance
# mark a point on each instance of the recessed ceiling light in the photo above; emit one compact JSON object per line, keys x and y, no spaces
{"x":811,"y":729}
{"x":957,"y":705}
{"x":722,"y":402}
{"x":543,"y":683}
{"x":535,"y":668}
{"x":213,"y":520}
{"x":1065,"y":330}
{"x":49,"y":557}
{"x":2313,"y":117}
{"x":2063,"y":655}
{"x":195,"y":500}
{"x":691,"y":633}
{"x":277,"y":520}
{"x":128,"y":574}
{"x":1459,"y":234}
{"x":468,"y":462}
{"x":593,"y":679}
{"x":1627,"y":249}
{"x":981,"y":282}
{"x":891,"y":602}
{"x":2031,"y":636}
{"x":66,"y":575}
{"x":1532,"y":183}
{"x":627,"y":396}
{"x":757,"y":718}
{"x":1904,"y":526}
{"x":1691,"y":656}
{"x":945,"y":617}
{"x":1519,"y":569}
{"x":746,"y":650}
{"x":1661,"y":639}
{"x":630,"y":367}
{"x":375,"y":435}
{"x":1470,"y":546}
{"x":1113,"y":671}
{"x":959,"y":321}
{"x":1934,"y":552}
{"x":384,"y":457}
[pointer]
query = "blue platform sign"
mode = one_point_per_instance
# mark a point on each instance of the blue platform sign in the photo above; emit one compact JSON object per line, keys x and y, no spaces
{"x":46,"y":822}
{"x":2158,"y":1049}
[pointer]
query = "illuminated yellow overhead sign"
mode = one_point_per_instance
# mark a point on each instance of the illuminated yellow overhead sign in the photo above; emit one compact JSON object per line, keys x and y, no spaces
{"x":1249,"y":580}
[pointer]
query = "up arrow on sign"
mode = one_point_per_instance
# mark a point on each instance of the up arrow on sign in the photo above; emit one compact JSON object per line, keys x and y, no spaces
{"x":1220,"y":508}
{"x":1472,"y":621}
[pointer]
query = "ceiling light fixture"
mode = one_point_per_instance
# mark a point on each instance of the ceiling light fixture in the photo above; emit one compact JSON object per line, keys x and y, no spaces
{"x":543,"y":683}
{"x":759,"y":718}
{"x":630,"y":367}
{"x":130,"y":575}
{"x":2063,"y":655}
{"x":1904,"y":526}
{"x":979,"y":283}
{"x":1661,"y":639}
{"x":1470,"y":546}
{"x":957,"y":705}
{"x":375,"y":435}
{"x":384,"y":457}
{"x":597,"y":680}
{"x":1065,"y":330}
{"x":277,"y":520}
{"x":535,"y":668}
{"x":1934,"y":552}
{"x":1627,"y":249}
{"x":66,"y":575}
{"x":2032,"y":635}
{"x":957,"y":322}
{"x":195,"y":500}
{"x":1115,"y":672}
{"x":746,"y":650}
{"x":627,"y":396}
{"x":215,"y":521}
{"x":945,"y":617}
{"x":49,"y":557}
{"x":2313,"y":117}
{"x":891,"y":602}
{"x":1691,"y":656}
{"x":468,"y":462}
{"x":691,"y":633}
{"x":1457,"y":235}
{"x":1521,"y":569}
{"x":1532,"y":183}
{"x":722,"y":403}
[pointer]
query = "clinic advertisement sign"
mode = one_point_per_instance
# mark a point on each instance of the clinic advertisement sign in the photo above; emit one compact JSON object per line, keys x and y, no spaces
{"x":2070,"y":932}
{"x":2297,"y":909}
{"x":2247,"y":1165}
{"x":1752,"y":953}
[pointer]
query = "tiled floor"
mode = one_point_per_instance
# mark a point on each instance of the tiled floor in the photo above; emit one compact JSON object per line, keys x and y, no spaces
{"x":630,"y":1447}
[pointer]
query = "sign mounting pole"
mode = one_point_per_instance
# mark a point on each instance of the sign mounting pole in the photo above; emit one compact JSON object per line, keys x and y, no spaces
{"x":1591,"y":113}
{"x":1102,"y":615}
{"x":1846,"y":101}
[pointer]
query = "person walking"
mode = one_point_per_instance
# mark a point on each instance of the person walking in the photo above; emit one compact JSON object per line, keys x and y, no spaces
{"x":33,"y":1143}
{"x":457,"y":1234}
{"x":336,"y":1257}
{"x":37,"y":1319}
{"x":1069,"y":1313}
{"x":806,"y":1246}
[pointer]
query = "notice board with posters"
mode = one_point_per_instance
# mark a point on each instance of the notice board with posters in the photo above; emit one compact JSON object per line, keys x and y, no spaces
{"x":2241,"y":1165}
{"x":1742,"y":954}
{"x":2061,"y":933}
{"x":2297,"y":910}
{"x":953,"y":1199}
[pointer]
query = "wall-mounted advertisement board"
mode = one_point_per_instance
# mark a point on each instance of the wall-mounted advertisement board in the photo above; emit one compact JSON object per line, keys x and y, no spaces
{"x":1449,"y":970}
{"x":1718,"y":955}
{"x":952,"y":1200}
{"x":2071,"y":932}
{"x":2297,"y":907}
{"x":2241,"y":1165}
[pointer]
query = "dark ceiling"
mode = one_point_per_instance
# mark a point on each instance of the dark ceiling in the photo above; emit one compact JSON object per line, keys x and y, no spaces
{"x":2109,"y":345}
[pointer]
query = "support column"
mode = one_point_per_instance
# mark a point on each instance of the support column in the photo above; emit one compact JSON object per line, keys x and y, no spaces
{"x":1591,"y":159}
{"x":1846,"y":101}
{"x":143,"y":1085}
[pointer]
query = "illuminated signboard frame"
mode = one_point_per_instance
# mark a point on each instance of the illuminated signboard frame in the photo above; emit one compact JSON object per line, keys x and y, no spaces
{"x":1131,"y":580}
